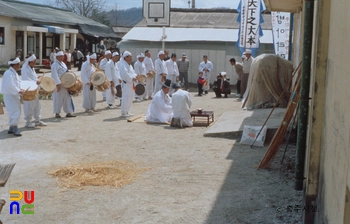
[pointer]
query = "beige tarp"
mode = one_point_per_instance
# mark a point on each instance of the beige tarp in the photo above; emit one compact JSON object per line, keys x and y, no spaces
{"x":269,"y":74}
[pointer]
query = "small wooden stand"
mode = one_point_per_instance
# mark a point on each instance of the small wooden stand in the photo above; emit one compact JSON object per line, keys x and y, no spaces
{"x":208,"y":115}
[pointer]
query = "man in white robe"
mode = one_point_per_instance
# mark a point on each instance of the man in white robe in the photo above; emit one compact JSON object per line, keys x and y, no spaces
{"x":33,"y":107}
{"x":173,"y":71}
{"x":60,"y":96}
{"x":102,"y":66}
{"x":11,"y":89}
{"x":128,"y":75}
{"x":160,"y":110}
{"x":206,"y":67}
{"x":112,"y":73}
{"x":161,"y":71}
{"x":181,"y":103}
{"x":89,"y":91}
{"x":140,"y":69}
{"x":149,"y":67}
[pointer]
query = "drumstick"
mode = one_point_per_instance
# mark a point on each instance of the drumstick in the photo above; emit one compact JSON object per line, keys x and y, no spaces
{"x":135,"y":118}
{"x":26,"y":90}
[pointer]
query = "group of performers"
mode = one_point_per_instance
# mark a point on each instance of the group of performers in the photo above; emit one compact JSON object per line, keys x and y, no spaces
{"x":118,"y":70}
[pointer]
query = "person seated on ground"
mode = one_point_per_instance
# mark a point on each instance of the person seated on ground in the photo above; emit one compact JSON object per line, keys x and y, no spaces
{"x":181,"y":102}
{"x":200,"y":82}
{"x":221,"y":85}
{"x":160,"y":109}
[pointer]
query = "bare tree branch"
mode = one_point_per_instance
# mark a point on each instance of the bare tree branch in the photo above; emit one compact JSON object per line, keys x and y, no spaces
{"x":82,"y":7}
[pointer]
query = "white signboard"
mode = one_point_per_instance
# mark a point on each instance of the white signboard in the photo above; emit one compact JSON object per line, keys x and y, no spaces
{"x":250,"y":21}
{"x":280,"y":29}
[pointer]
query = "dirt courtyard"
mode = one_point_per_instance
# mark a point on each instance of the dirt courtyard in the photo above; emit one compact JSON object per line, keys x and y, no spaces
{"x":191,"y":178}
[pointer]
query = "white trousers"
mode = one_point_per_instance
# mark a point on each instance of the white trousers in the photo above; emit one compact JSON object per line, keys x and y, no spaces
{"x":13,"y":107}
{"x":110,"y":98}
{"x":32,"y":108}
{"x":89,"y":97}
{"x":62,"y":99}
{"x":149,"y":87}
{"x":127,"y":98}
{"x":157,"y":83}
{"x":206,"y":75}
{"x":173,"y":80}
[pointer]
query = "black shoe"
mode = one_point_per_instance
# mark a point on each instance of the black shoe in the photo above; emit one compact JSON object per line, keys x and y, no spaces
{"x":10,"y":131}
{"x":70,"y":115}
{"x":206,"y":92}
{"x":199,"y":95}
{"x":58,"y":116}
{"x":16,"y":132}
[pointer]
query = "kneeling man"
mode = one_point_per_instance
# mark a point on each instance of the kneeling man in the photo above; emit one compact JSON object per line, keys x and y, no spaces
{"x":181,"y":102}
{"x":160,"y":110}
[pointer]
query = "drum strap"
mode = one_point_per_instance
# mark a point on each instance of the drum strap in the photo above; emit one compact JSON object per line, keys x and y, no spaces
{"x":62,"y":66}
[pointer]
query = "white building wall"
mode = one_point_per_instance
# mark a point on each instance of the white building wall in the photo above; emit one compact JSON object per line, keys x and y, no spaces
{"x":219,"y":53}
{"x":8,"y":50}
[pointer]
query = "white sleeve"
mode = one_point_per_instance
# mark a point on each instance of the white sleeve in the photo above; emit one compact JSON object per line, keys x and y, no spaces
{"x":200,"y":67}
{"x":84,"y":76}
{"x":54,"y":74}
{"x":210,"y":66}
{"x":109,"y":71}
{"x":165,"y":70}
{"x":176,"y":69}
{"x":9,"y":84}
{"x":157,"y":66}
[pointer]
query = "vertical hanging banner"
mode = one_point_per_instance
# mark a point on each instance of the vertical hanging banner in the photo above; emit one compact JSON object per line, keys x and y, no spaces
{"x":250,"y":22}
{"x":250,"y":31}
{"x":280,"y":30}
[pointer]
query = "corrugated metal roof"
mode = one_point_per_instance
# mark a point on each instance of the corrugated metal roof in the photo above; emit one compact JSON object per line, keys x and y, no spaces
{"x":49,"y":15}
{"x":189,"y":34}
{"x":199,"y":18}
{"x":42,"y":13}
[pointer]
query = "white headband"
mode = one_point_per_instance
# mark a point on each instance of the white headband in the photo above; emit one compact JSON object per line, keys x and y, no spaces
{"x":60,"y":53}
{"x":115,"y":54}
{"x":126,"y":54}
{"x":160,"y":52}
{"x":140,"y":56}
{"x":107,"y":52}
{"x":16,"y":61}
{"x":31,"y":58}
{"x":93,"y":56}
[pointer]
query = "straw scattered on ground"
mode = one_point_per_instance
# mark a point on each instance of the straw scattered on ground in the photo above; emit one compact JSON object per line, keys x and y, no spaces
{"x":115,"y":174}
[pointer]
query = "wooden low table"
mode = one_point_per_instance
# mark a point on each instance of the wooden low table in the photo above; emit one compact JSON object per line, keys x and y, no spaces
{"x":208,"y":115}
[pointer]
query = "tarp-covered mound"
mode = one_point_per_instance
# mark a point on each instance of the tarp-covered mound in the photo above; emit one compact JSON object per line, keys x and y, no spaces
{"x":269,"y":74}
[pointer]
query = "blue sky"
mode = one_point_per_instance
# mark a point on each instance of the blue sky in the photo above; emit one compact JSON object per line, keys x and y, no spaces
{"x":125,"y":4}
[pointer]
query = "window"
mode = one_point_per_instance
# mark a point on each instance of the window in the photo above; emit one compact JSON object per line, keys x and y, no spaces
{"x":2,"y":35}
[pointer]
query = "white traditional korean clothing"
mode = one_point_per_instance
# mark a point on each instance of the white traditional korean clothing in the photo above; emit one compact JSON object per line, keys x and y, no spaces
{"x":160,"y":109}
{"x":206,"y":74}
{"x":33,"y":107}
{"x":11,"y":85}
{"x":127,"y":74}
{"x":89,"y":96}
{"x":140,"y":69}
{"x":173,"y":72}
{"x":149,"y":82}
{"x":102,"y":66}
{"x":61,"y":98}
{"x":160,"y":68}
{"x":112,"y":73}
{"x":181,"y":103}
